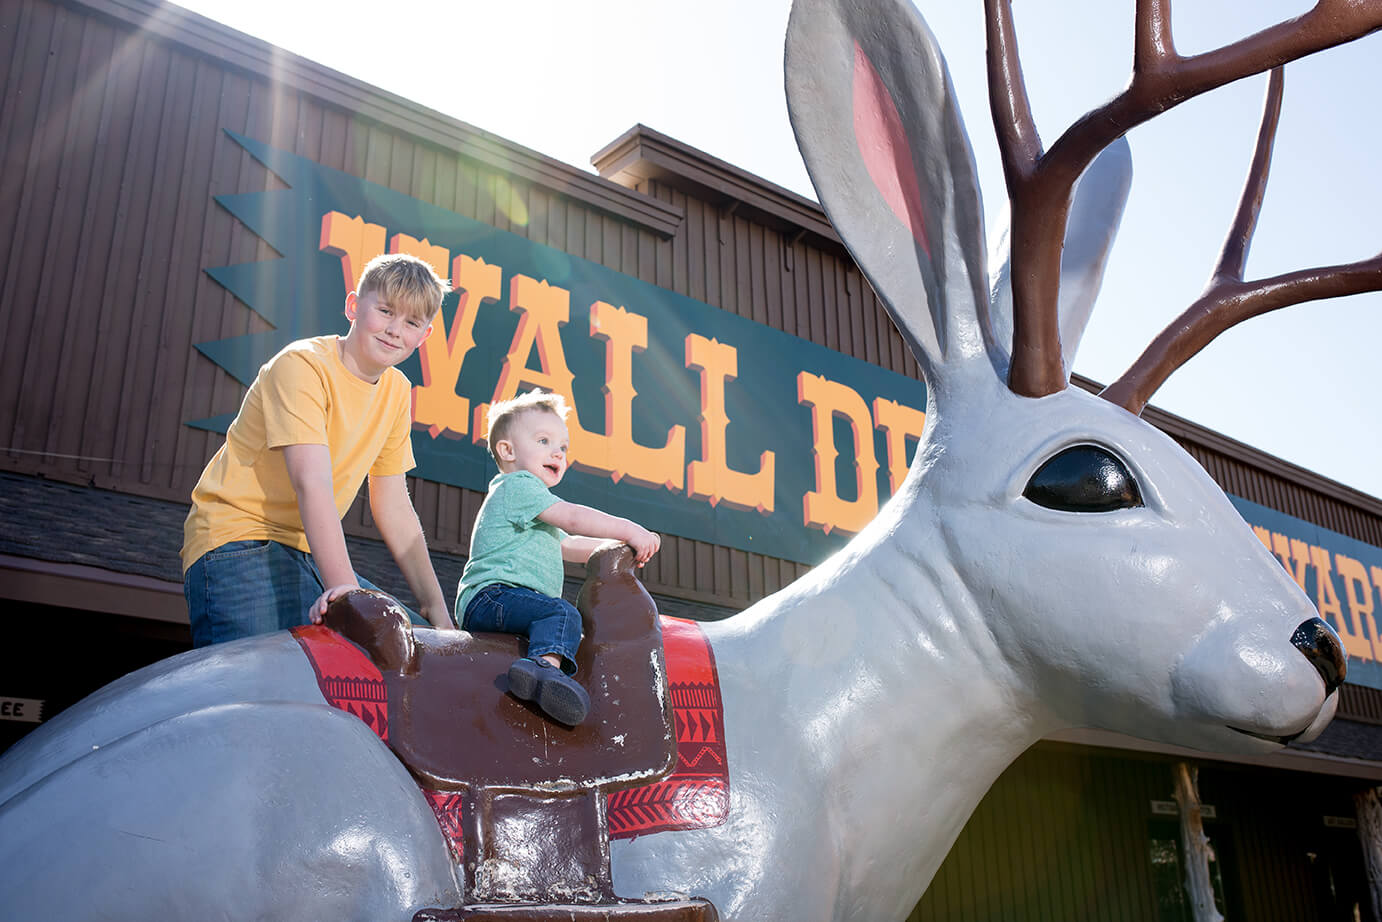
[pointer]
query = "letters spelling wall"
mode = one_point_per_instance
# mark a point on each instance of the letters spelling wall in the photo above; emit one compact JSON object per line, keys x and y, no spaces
{"x":690,"y":419}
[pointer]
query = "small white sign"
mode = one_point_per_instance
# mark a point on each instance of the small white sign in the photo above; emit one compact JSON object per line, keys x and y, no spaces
{"x":1341,"y":822}
{"x":1171,"y":808}
{"x":26,"y":710}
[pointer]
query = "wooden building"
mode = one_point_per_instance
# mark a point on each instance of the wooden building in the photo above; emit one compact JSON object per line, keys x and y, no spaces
{"x":178,"y":199}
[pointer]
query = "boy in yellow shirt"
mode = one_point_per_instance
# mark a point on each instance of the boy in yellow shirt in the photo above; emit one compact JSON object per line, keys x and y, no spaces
{"x":263,"y":547}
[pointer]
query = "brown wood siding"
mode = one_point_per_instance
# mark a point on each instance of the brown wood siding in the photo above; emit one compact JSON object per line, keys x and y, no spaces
{"x":1361,"y":703}
{"x":1059,"y":836}
{"x":1065,"y":834}
{"x":764,"y":275}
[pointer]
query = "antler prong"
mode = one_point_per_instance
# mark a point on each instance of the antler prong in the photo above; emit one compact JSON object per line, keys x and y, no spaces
{"x":1161,"y":78}
{"x":1154,"y":89}
{"x":1152,"y":43}
{"x":1019,"y":143}
{"x":1228,"y":299}
{"x":1039,"y":209}
{"x":1233,"y":257}
{"x":1228,"y":304}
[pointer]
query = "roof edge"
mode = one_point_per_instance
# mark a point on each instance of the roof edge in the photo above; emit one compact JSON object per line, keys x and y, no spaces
{"x":1290,"y":759}
{"x":208,"y":38}
{"x":641,"y":153}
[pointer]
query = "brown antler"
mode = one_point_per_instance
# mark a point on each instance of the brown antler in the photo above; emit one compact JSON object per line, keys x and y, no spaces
{"x":1040,"y":184}
{"x":1227,"y":299}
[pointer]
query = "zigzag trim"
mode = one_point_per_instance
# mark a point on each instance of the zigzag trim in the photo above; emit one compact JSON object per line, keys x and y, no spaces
{"x":705,"y":752}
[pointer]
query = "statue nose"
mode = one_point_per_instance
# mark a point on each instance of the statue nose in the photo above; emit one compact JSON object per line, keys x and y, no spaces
{"x":1321,"y":647}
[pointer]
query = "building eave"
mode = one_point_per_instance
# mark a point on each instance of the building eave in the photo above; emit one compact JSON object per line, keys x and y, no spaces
{"x":1290,"y":758}
{"x":280,"y":68}
{"x":641,"y":154}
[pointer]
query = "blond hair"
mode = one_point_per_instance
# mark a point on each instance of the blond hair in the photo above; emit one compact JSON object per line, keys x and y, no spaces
{"x":504,"y":413}
{"x":405,"y":283}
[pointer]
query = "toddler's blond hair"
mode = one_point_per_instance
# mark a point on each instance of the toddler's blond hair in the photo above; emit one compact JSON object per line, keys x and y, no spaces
{"x":501,"y":415}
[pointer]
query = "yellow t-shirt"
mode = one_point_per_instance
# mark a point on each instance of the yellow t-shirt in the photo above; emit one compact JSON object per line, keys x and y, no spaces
{"x":302,"y":396}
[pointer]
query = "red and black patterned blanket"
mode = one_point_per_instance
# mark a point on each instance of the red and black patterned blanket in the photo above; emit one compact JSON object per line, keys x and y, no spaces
{"x":696,"y":793}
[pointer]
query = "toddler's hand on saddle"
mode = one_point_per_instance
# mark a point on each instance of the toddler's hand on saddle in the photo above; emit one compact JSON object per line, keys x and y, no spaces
{"x":644,"y":543}
{"x":318,"y":609}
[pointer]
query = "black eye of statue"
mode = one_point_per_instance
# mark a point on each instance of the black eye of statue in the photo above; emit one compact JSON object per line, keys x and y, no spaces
{"x":1083,"y":478}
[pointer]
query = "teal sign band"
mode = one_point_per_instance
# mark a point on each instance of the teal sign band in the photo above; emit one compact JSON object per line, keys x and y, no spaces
{"x":689,"y":419}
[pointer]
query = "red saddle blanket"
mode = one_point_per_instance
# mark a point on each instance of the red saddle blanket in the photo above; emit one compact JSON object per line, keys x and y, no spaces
{"x":696,"y":793}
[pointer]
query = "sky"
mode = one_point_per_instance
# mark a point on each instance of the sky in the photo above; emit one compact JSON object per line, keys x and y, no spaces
{"x":566,"y":77}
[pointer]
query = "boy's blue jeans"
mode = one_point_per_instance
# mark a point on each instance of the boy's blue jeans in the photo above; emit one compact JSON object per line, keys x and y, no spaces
{"x":243,"y":588}
{"x":552,"y":625}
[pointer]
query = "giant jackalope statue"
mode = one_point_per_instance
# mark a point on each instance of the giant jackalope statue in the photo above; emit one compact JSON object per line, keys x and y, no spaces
{"x":868,"y":707}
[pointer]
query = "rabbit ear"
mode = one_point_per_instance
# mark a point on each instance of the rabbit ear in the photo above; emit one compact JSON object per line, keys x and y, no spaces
{"x":875,"y":118}
{"x":1095,"y":211}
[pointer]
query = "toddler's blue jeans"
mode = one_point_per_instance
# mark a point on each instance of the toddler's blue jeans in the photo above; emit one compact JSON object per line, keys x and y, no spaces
{"x":243,"y":588}
{"x":552,"y":625}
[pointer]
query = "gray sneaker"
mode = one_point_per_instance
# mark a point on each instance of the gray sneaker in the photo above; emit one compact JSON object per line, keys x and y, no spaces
{"x":558,"y":695}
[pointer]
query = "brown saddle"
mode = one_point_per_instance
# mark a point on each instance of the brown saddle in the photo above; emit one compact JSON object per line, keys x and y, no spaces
{"x":454,"y":725}
{"x":534,"y":840}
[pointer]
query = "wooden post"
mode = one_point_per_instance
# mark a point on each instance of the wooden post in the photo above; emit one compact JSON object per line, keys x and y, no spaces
{"x":1368,"y":805}
{"x":1195,"y":844}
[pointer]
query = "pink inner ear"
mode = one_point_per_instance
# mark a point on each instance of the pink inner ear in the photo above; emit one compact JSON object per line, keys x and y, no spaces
{"x":883,"y":145}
